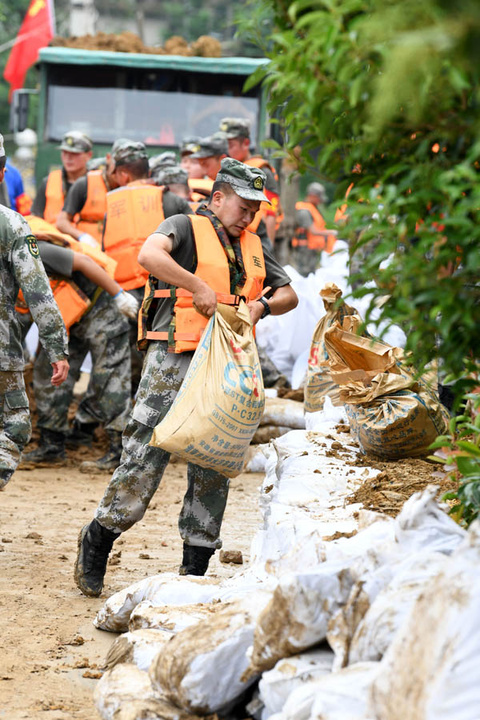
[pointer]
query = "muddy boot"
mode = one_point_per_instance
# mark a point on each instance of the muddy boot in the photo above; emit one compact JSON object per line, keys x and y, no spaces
{"x":81,"y":434}
{"x":50,"y":450}
{"x":110,"y":460}
{"x":195,"y":559}
{"x":94,"y":545}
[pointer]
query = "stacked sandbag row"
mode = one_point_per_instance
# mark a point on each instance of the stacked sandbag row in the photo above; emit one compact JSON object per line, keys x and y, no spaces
{"x":311,"y":617}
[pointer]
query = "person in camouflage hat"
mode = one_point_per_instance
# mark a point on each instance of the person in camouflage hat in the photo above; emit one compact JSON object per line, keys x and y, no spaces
{"x":21,"y":269}
{"x":76,"y":151}
{"x":175,"y":179}
{"x":209,"y":152}
{"x":238,"y":134}
{"x":132,"y":169}
{"x":193,"y":167}
{"x":311,"y":236}
{"x":170,"y":254}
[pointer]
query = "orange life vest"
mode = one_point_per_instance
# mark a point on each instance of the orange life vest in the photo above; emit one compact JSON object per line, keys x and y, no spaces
{"x":91,"y":217}
{"x":54,"y":196}
{"x":303,"y":237}
{"x":212,"y":267}
{"x":133,"y":213}
{"x":23,"y":203}
{"x":200,"y":188}
{"x":71,"y":300}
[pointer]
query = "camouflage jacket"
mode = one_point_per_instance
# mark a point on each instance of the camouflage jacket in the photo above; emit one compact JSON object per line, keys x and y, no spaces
{"x":21,"y":267}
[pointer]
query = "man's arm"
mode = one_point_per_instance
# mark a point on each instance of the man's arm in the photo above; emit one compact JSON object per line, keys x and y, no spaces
{"x":282,"y":301}
{"x":155,"y":256}
{"x":74,"y":204}
{"x":65,"y":225}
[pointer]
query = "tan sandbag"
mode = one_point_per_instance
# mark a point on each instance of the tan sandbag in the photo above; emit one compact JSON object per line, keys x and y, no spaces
{"x":319,"y":384}
{"x":220,"y":403}
{"x":265,"y":433}
{"x":392,"y":414}
{"x":282,"y":411}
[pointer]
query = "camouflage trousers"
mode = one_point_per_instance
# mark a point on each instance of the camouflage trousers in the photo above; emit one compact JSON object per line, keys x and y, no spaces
{"x":104,"y":332}
{"x":136,"y":357}
{"x":15,"y":427}
{"x":305,"y":260}
{"x":141,"y":468}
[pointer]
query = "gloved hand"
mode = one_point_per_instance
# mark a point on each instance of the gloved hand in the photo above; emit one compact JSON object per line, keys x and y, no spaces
{"x":127,"y":304}
{"x":88,"y":240}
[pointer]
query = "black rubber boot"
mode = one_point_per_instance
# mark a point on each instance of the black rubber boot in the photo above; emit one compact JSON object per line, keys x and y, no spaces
{"x":94,"y":545}
{"x":50,"y":450}
{"x":110,"y":460}
{"x":81,"y":434}
{"x":195,"y":559}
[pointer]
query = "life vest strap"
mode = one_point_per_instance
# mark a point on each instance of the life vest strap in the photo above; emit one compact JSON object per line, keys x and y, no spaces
{"x":174,"y":293}
{"x":166,"y":335}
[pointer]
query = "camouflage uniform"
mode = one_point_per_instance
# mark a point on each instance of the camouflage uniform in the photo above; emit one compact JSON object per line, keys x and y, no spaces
{"x":142,"y":466}
{"x":104,"y":332}
{"x":21,"y":267}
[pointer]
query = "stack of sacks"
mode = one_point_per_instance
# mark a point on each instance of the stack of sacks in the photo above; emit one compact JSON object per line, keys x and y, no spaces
{"x":301,"y":591}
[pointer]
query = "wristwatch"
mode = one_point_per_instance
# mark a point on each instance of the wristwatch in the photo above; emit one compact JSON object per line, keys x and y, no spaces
{"x":267,"y":307}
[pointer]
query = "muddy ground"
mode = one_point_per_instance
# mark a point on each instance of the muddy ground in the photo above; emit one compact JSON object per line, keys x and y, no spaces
{"x":50,"y":652}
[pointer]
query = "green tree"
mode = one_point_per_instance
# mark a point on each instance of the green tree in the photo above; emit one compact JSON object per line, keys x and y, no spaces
{"x":384,"y":94}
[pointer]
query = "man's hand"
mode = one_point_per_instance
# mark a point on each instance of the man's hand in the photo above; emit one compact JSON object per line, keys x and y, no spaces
{"x":60,"y":372}
{"x":205,"y":300}
{"x":127,"y":304}
{"x":256,"y":309}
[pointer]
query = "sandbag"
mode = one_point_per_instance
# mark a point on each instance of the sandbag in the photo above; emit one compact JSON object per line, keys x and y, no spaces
{"x":283,"y":412}
{"x":201,"y":669}
{"x":159,"y":589}
{"x":430,"y":671}
{"x":392,"y":414}
{"x":169,"y":618}
{"x":220,"y":403}
{"x":122,"y":684}
{"x":265,"y":433}
{"x":138,"y":647}
{"x":319,"y":384}
{"x":297,"y":616}
{"x":277,"y":684}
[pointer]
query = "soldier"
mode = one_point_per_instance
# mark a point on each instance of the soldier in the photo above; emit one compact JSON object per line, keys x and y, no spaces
{"x":76,"y":151}
{"x":93,"y":306}
{"x":311,"y":235}
{"x":21,"y":268}
{"x":201,"y":254}
{"x":133,"y":212}
{"x":83,"y":212}
{"x":193,"y":167}
{"x":238,"y":132}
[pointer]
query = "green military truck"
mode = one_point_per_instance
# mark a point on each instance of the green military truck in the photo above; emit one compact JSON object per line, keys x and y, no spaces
{"x":156,"y":99}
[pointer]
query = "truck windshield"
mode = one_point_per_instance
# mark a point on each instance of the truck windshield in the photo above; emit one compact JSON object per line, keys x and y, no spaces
{"x":155,"y":118}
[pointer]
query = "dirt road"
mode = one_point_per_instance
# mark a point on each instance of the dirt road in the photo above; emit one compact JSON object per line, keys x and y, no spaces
{"x":50,"y":652}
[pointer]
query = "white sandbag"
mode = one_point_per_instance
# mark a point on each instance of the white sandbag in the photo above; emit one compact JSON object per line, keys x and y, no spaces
{"x":423,"y":524}
{"x":150,"y":710}
{"x":297,"y":616}
{"x":282,"y":411}
{"x":170,"y":619}
{"x":430,"y":671}
{"x":256,"y":461}
{"x":340,"y":695}
{"x":201,"y":669}
{"x":277,"y":684}
{"x":159,"y":589}
{"x":393,"y":603}
{"x":138,"y":647}
{"x":120,"y":685}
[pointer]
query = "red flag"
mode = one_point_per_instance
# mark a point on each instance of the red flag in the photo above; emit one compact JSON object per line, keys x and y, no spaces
{"x":36,"y":32}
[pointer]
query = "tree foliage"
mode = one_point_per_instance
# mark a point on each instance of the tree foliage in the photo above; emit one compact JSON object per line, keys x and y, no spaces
{"x":384,"y":94}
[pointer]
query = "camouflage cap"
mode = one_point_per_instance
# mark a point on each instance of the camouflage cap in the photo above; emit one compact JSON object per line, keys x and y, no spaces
{"x":211,"y":146}
{"x":157,"y":162}
{"x":2,"y":148}
{"x":189,"y":145}
{"x":76,"y":142}
{"x":248,"y":182}
{"x":128,"y":151}
{"x":316,"y":188}
{"x":172,"y":174}
{"x":235,"y":127}
{"x":96,"y":163}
